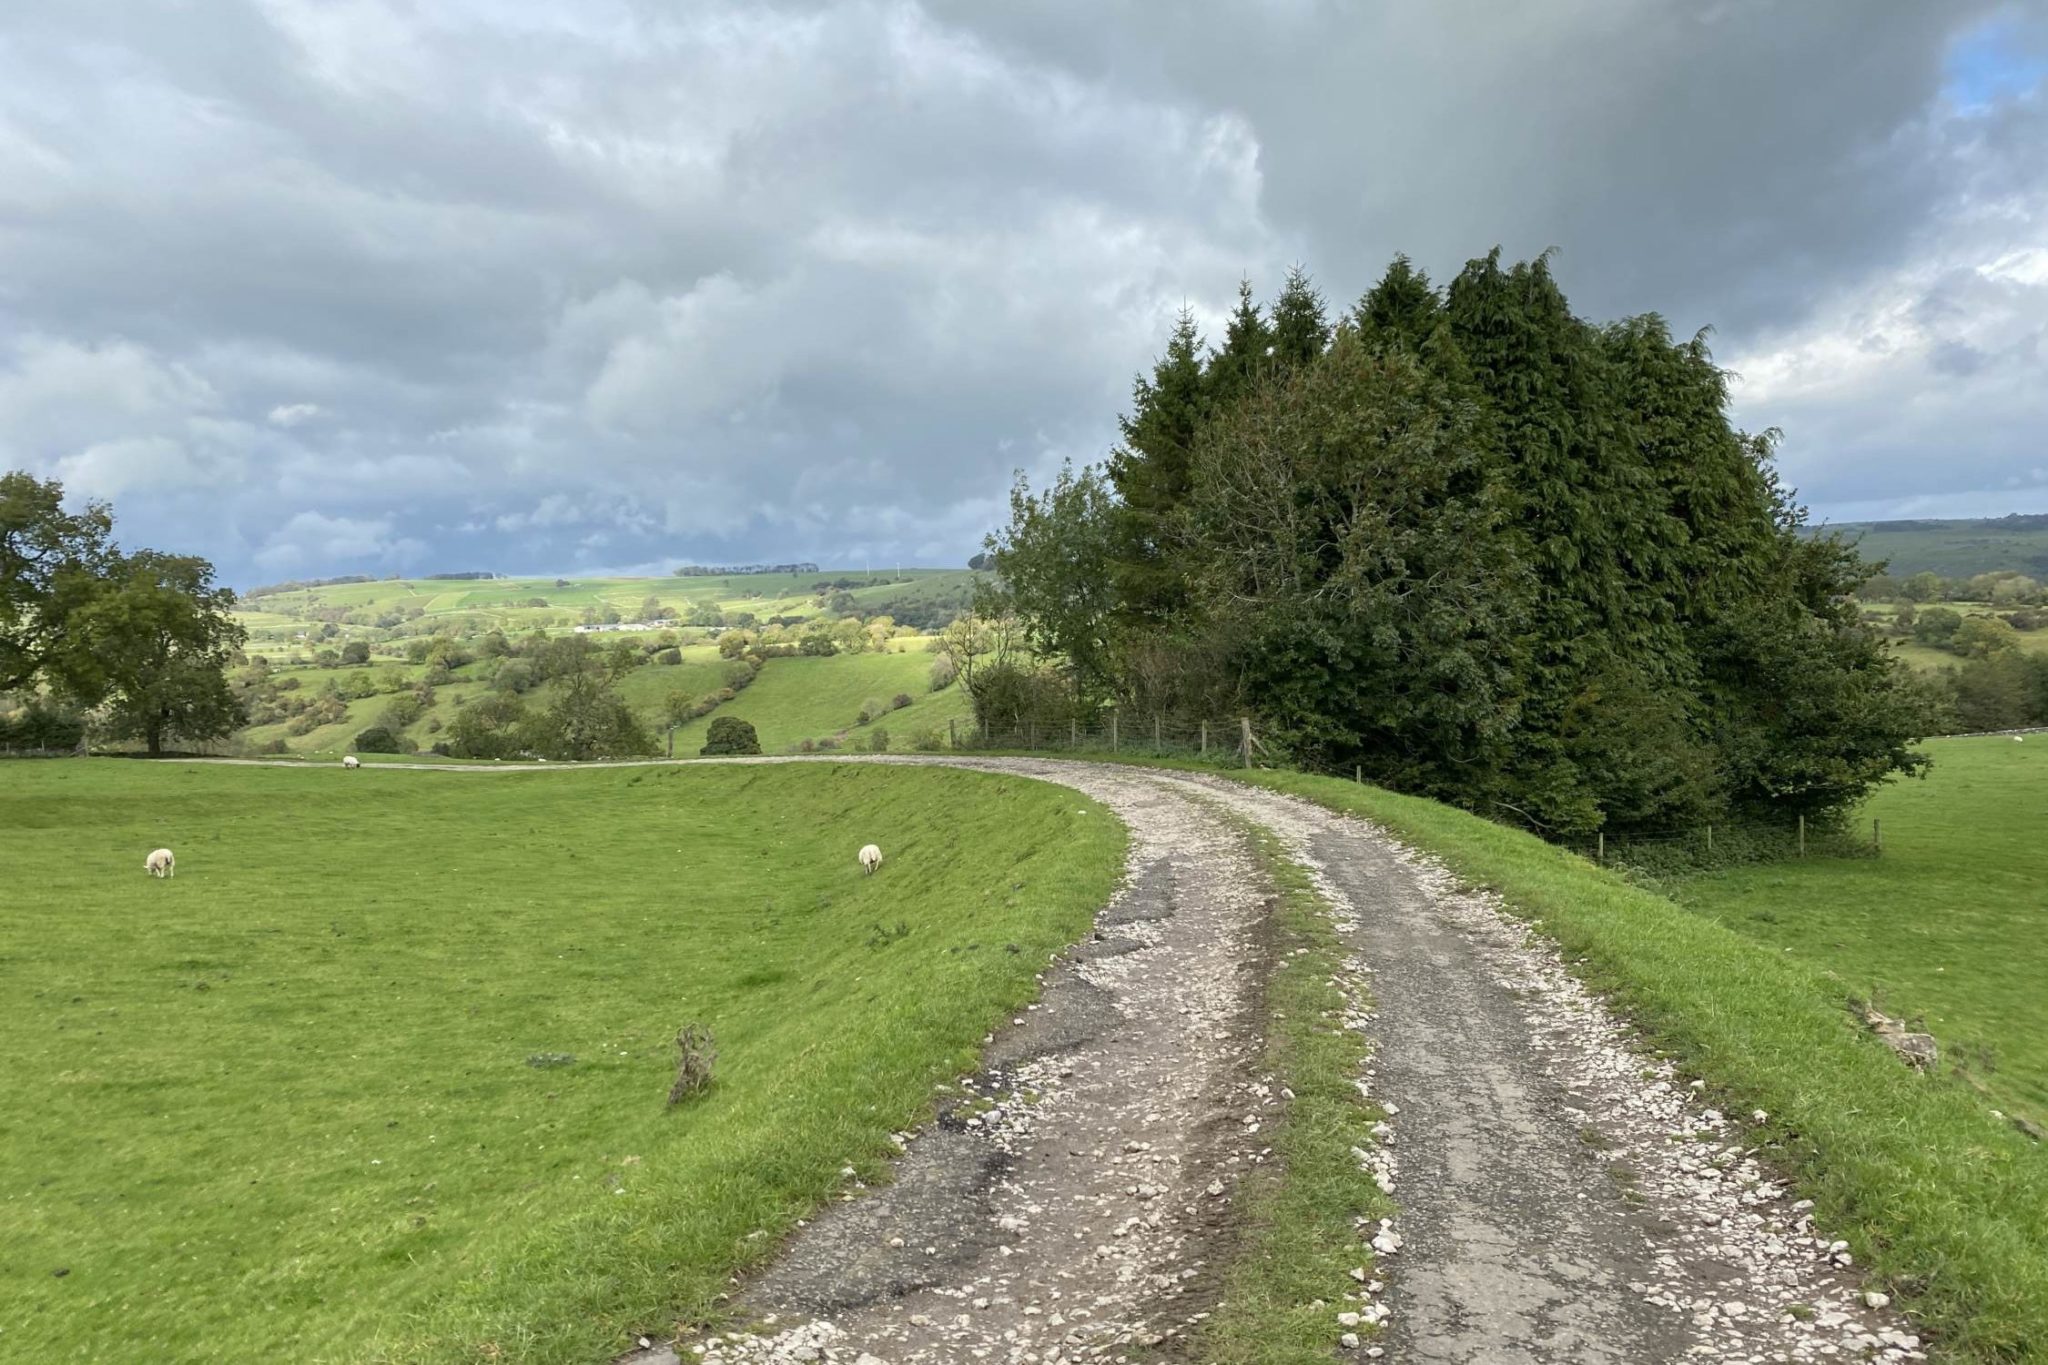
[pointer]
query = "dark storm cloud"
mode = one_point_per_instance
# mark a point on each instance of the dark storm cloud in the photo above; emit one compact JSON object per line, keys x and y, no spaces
{"x":360,"y":285}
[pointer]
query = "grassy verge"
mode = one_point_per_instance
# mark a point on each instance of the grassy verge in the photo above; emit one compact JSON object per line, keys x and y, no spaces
{"x":1940,"y":1200}
{"x":1293,"y":1273}
{"x":309,"y":1099}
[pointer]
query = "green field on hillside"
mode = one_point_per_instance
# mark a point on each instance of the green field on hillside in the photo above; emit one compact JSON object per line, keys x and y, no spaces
{"x":799,"y":699}
{"x":1953,"y":549}
{"x":310,"y":1099}
{"x":1950,"y":925}
{"x":472,"y":607}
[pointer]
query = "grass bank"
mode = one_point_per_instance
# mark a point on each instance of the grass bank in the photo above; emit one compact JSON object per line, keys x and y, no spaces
{"x":1939,"y":1199}
{"x":310,"y":1098}
{"x":1293,"y":1273}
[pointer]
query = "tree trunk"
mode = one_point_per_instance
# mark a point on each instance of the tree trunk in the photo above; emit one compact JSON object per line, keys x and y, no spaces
{"x":155,"y":738}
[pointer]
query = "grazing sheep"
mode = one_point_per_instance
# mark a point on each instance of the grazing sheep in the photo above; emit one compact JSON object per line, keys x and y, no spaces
{"x":161,"y":864}
{"x":351,"y":762}
{"x":870,"y":858}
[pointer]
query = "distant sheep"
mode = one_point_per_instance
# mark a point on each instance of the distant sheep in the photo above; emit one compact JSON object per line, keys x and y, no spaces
{"x":161,"y":864}
{"x":870,"y":858}
{"x":351,"y":762}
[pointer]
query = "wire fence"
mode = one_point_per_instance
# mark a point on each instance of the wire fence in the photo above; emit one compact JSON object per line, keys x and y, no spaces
{"x":1235,"y":742}
{"x":1231,"y":740}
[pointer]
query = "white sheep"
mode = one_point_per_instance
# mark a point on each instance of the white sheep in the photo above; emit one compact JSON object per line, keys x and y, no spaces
{"x":870,"y":858}
{"x":351,"y":761}
{"x":161,"y":864}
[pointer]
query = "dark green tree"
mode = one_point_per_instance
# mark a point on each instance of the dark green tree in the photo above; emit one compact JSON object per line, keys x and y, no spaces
{"x":1056,"y":562}
{"x":731,"y":735}
{"x":1301,"y":324}
{"x":163,"y":634}
{"x":1149,"y":472}
{"x":52,"y":566}
{"x":1244,"y":360}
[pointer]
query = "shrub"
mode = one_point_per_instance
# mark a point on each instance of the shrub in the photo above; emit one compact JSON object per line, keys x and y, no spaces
{"x":871,"y":709}
{"x":928,"y":739}
{"x":274,"y":746}
{"x":818,"y":646}
{"x":41,"y":727}
{"x":899,"y":701}
{"x":943,"y":673}
{"x":356,"y":652}
{"x":378,"y":739}
{"x":668,"y":656}
{"x":878,"y":740}
{"x":731,"y":735}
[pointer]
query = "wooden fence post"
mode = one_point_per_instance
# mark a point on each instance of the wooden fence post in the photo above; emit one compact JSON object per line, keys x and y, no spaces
{"x":1205,"y":739}
{"x":1802,"y":836}
{"x":953,"y":733}
{"x":1112,"y":732}
{"x":1244,"y":727}
{"x":671,"y":741}
{"x":1155,"y":732}
{"x":1358,"y":774}
{"x":1710,"y":841}
{"x":1600,"y":848}
{"x":1074,"y":734}
{"x":1877,"y":835}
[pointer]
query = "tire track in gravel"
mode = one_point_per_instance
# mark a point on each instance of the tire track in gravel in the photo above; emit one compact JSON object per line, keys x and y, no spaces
{"x":1564,"y":1196}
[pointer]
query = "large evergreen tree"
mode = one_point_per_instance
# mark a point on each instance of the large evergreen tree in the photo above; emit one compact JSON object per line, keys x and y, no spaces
{"x":1481,"y":548}
{"x":1149,"y":472}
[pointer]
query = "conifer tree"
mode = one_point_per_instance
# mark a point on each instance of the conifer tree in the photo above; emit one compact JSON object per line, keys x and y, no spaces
{"x":1150,"y":474}
{"x":1245,"y":358}
{"x":1301,"y":328}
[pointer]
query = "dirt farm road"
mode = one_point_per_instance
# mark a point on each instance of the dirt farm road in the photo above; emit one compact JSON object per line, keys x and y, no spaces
{"x":1562,"y":1195}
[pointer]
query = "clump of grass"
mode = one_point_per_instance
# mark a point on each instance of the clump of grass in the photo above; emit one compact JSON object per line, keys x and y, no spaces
{"x":698,"y":1055}
{"x":1293,"y":1271}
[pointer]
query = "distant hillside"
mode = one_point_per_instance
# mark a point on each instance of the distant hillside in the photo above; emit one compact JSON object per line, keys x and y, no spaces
{"x":1953,"y":549}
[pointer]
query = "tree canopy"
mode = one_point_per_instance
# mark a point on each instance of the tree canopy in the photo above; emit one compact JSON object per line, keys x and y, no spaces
{"x":1478,"y":546}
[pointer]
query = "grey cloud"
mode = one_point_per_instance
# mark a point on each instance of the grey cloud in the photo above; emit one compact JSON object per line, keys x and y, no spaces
{"x":316,"y":286}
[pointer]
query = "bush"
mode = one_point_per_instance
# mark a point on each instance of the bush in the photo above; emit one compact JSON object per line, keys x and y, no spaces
{"x":378,"y":739}
{"x":41,"y":727}
{"x":871,"y":709}
{"x":878,"y":740}
{"x":274,"y":746}
{"x":928,"y":739}
{"x":818,"y":646}
{"x":731,"y":735}
{"x":899,"y":701}
{"x":943,"y":673}
{"x":668,"y":656}
{"x":356,"y":652}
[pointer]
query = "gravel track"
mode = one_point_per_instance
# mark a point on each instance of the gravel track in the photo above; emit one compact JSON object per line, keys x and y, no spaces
{"x":1564,"y":1197}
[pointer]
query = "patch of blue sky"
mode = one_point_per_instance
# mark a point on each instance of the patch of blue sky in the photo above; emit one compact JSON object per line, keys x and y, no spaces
{"x":2004,"y":58}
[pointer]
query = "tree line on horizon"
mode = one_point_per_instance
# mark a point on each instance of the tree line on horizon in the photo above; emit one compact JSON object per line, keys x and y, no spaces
{"x":1472,"y":544}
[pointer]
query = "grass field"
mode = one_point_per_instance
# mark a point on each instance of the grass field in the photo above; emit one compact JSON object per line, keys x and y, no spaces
{"x":797,"y":699}
{"x":1950,"y":925}
{"x":295,"y":1103}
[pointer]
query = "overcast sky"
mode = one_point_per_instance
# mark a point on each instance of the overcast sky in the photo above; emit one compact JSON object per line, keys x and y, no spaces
{"x":365,"y":286}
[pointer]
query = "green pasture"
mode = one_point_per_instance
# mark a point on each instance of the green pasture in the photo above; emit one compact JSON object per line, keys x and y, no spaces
{"x":1950,"y":926}
{"x":310,"y":1099}
{"x":803,"y":698}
